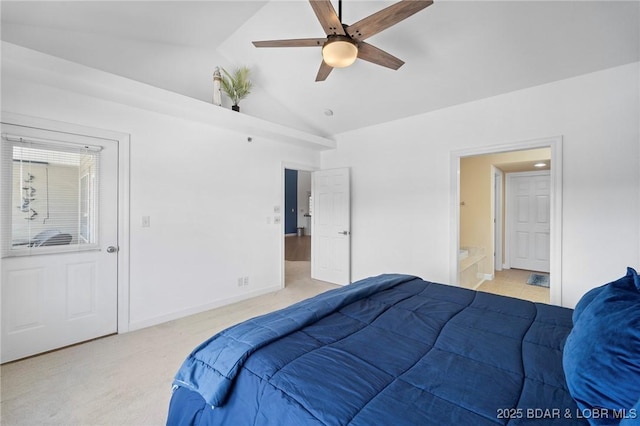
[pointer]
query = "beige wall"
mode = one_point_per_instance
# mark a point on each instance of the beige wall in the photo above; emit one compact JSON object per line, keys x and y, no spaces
{"x":476,"y":214}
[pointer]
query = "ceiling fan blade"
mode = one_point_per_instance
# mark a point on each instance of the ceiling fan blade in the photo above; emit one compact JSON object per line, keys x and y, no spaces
{"x":296,"y":42}
{"x":323,"y":72}
{"x":377,"y":56}
{"x":327,"y":16}
{"x":386,"y":18}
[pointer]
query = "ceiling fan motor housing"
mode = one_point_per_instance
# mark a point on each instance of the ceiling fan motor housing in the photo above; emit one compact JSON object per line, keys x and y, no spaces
{"x":339,"y":51}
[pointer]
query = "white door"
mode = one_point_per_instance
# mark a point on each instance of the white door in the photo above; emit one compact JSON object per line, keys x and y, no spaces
{"x":331,"y":242}
{"x":497,"y":217}
{"x":529,"y":219}
{"x":59,"y":240}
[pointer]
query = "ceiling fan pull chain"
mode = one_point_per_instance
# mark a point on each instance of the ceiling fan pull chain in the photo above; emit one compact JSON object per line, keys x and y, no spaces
{"x":340,"y":11}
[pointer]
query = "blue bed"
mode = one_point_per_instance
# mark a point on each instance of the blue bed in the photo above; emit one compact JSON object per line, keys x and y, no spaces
{"x":387,"y":350}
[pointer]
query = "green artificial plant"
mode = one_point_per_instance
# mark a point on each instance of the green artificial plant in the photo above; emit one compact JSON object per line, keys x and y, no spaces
{"x":237,"y":84}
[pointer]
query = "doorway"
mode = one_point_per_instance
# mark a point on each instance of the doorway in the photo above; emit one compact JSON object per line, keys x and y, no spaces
{"x":297,"y":225}
{"x":478,"y":232}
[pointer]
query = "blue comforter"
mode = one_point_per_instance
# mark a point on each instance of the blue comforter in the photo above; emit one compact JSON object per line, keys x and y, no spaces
{"x":211,"y":368}
{"x":390,"y":350}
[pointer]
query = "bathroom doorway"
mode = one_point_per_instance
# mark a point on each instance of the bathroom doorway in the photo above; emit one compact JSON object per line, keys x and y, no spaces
{"x":484,"y":239}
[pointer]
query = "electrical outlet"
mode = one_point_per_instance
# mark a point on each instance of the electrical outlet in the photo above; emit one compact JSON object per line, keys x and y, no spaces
{"x":240,"y":282}
{"x":246,"y":280}
{"x":276,"y":209}
{"x":276,"y":220}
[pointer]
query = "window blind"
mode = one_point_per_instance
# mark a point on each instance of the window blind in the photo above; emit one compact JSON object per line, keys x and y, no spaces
{"x":52,"y":193}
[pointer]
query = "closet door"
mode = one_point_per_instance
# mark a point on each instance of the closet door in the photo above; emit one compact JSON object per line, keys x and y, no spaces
{"x":529,"y":202}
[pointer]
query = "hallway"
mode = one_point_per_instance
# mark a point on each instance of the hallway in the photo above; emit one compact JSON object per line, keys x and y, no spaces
{"x":297,"y":248}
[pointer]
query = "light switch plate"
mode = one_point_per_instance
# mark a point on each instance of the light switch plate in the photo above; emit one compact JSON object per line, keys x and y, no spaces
{"x":146,"y":221}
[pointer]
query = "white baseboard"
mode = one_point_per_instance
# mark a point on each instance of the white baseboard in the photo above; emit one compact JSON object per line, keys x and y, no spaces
{"x":137,"y":325}
{"x":482,"y":278}
{"x":485,"y":277}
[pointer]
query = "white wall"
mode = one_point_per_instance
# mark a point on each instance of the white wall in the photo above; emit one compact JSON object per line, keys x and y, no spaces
{"x":208,"y":193}
{"x":401,"y":203}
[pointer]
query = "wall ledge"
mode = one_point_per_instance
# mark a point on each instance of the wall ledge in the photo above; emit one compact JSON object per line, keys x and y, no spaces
{"x":22,"y":63}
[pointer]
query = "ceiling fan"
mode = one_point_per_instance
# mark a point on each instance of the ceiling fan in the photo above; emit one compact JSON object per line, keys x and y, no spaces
{"x":344,"y":43}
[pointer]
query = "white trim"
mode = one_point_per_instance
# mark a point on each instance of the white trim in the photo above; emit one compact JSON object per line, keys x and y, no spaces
{"x":123,"y":141}
{"x":47,"y":142}
{"x":555,"y":144}
{"x":454,"y":208}
{"x":299,"y":167}
{"x":160,"y":319}
{"x":124,"y":233}
{"x":555,"y":251}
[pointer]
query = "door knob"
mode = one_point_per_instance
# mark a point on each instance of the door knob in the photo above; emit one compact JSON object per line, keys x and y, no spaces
{"x":344,"y":233}
{"x":112,"y":249}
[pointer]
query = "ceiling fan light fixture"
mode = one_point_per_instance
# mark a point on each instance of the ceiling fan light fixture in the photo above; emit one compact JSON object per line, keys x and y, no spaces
{"x":339,"y":51}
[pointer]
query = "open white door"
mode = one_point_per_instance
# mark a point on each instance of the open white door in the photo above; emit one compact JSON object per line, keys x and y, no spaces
{"x":529,"y":220}
{"x":59,"y":239}
{"x":331,"y":242}
{"x":497,"y":217}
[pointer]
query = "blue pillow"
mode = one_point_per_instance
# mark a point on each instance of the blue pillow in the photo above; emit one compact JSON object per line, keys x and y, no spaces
{"x":630,"y":280}
{"x":586,"y":301}
{"x":601,"y":356}
{"x":632,"y":417}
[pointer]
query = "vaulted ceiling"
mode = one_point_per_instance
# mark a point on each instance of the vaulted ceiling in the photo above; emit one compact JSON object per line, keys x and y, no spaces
{"x":455,"y":51}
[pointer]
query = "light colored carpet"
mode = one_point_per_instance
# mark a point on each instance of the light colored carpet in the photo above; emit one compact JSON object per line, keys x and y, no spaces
{"x":126,"y":379}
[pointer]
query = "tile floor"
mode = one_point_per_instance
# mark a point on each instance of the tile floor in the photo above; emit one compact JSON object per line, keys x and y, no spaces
{"x":513,"y":282}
